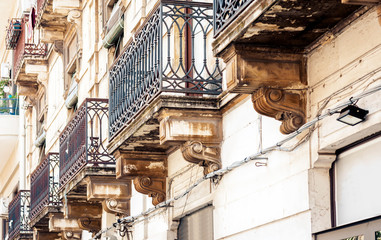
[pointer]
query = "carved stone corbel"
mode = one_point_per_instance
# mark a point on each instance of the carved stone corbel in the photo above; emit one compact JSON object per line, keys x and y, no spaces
{"x":70,"y":235}
{"x":152,"y":186}
{"x":287,"y":106}
{"x":58,"y":46}
{"x":197,"y":132}
{"x":74,"y":17}
{"x":147,"y":169}
{"x":117,"y":206}
{"x":206,"y":156}
{"x":90,"y":224}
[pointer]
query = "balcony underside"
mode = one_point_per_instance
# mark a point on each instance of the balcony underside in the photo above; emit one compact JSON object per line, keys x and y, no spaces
{"x":42,"y":219}
{"x":77,"y":187}
{"x":283,"y":24}
{"x":48,"y":19}
{"x":142,"y":133}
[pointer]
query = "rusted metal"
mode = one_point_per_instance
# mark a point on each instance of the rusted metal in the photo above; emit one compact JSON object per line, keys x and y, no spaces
{"x":45,"y":185}
{"x":81,"y":142}
{"x":19,"y":220}
{"x":13,"y":33}
{"x":25,"y":49}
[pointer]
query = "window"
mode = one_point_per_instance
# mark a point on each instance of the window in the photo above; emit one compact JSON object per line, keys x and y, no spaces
{"x":355,"y":202}
{"x":197,"y":225}
{"x":357,"y":173}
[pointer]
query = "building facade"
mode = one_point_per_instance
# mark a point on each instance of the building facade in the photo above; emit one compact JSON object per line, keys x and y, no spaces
{"x":162,"y":119}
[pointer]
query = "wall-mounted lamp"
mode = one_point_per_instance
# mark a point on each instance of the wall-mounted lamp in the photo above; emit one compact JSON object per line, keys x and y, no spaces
{"x":352,"y":115}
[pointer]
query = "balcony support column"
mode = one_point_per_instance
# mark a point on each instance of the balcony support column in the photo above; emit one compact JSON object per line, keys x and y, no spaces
{"x":43,"y":234}
{"x":75,"y":18}
{"x":198,"y":133}
{"x":114,"y":194}
{"x":148,"y":170}
{"x":41,"y":70}
{"x":276,"y":79}
{"x":87,"y":214}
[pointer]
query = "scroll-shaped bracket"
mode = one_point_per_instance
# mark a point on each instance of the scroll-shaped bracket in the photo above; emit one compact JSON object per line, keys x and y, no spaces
{"x":287,"y":106}
{"x":90,"y":224}
{"x":117,"y":206}
{"x":207,"y":156}
{"x":154,"y":187}
{"x":70,"y":235}
{"x":147,"y":169}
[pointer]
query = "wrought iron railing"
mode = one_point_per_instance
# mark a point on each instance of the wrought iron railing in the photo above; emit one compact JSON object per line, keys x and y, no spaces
{"x":44,"y":183}
{"x":225,"y":11}
{"x":25,"y":49}
{"x":19,"y":216}
{"x":13,"y":33}
{"x":168,"y":54}
{"x":9,"y":106}
{"x":81,"y":142}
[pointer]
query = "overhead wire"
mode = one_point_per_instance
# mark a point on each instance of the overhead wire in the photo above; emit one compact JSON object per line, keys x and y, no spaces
{"x":129,"y":220}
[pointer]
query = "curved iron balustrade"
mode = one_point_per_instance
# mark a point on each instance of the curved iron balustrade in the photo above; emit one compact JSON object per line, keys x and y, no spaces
{"x":225,"y":11}
{"x":44,"y":183}
{"x":81,"y":142}
{"x":19,"y":216}
{"x":168,"y":54}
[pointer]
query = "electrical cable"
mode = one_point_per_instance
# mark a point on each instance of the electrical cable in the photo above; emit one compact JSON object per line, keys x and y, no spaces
{"x":131,"y":219}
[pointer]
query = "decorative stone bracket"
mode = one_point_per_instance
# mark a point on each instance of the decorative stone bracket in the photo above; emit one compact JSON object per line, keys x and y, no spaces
{"x":147,"y":169}
{"x":117,"y":206}
{"x":74,"y":17}
{"x":152,"y":186}
{"x":199,"y":133}
{"x":206,"y":156}
{"x":114,"y":194}
{"x":283,"y":105}
{"x":276,"y":78}
{"x":87,"y":214}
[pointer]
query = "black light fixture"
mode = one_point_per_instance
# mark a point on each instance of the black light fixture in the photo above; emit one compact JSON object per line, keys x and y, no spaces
{"x":352,"y":115}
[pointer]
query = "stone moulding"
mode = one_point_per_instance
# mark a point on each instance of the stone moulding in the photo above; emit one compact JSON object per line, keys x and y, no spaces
{"x":276,"y":78}
{"x":283,"y":105}
{"x":152,"y":186}
{"x":148,"y":170}
{"x":206,"y":156}
{"x":117,"y":206}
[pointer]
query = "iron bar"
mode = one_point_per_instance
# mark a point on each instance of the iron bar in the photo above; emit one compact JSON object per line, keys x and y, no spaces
{"x":45,"y":185}
{"x":225,"y":11}
{"x":19,"y":216}
{"x":81,"y":142}
{"x":167,"y":54}
{"x":25,"y":49}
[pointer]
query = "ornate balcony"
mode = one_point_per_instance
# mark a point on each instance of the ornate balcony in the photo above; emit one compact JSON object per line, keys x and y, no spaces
{"x":162,"y":58}
{"x":19,"y":217}
{"x":165,"y":76}
{"x":263,"y":43}
{"x":44,"y":191}
{"x":13,"y":33}
{"x":81,"y":142}
{"x":87,"y":170}
{"x":27,"y":53}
